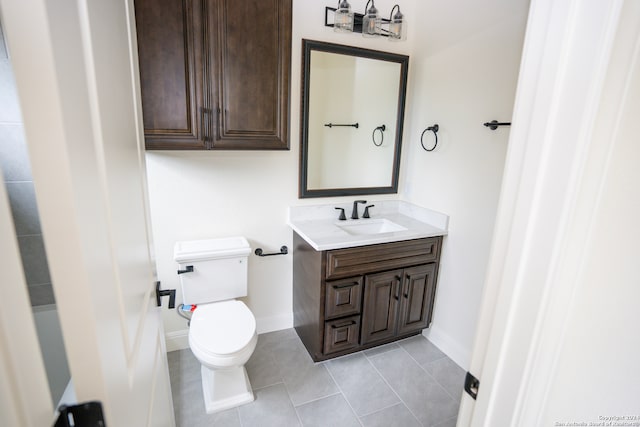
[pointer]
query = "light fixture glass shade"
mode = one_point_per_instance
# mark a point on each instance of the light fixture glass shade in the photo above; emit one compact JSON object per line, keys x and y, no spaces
{"x":397,"y":26}
{"x":371,"y":22}
{"x":343,"y":21}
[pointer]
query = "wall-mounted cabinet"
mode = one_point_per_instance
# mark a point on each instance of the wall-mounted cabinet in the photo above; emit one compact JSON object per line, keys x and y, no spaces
{"x":215,"y":74}
{"x":345,"y":300}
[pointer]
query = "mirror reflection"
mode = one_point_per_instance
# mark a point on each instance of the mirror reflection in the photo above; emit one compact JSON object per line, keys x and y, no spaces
{"x":353,"y":108}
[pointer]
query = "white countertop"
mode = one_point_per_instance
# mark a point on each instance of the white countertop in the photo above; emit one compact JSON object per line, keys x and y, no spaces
{"x":319,"y":226}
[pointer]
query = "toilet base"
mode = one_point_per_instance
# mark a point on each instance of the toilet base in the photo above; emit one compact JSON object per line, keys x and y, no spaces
{"x":225,"y":388}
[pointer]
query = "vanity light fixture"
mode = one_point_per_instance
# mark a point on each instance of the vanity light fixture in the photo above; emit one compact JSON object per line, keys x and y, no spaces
{"x":343,"y":18}
{"x":371,"y":21}
{"x":370,"y":24}
{"x":397,"y":26}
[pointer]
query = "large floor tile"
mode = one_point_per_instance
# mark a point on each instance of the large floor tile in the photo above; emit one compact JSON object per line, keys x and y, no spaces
{"x":448,"y":375}
{"x":401,"y":384}
{"x":424,"y":397}
{"x":262,"y":367}
{"x":396,"y":415}
{"x":332,"y":411}
{"x":421,"y":349}
{"x":381,"y":349}
{"x":305,"y":380}
{"x":361,"y":384}
{"x":451,"y":422}
{"x":271,"y":408}
{"x":227,"y":418}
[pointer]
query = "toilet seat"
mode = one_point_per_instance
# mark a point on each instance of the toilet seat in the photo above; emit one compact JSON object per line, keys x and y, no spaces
{"x":222,"y":329}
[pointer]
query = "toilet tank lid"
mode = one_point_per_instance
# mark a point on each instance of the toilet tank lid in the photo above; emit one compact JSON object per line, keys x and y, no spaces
{"x":194,"y":250}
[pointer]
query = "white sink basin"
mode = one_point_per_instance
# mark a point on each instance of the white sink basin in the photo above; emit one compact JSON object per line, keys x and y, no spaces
{"x":370,"y":226}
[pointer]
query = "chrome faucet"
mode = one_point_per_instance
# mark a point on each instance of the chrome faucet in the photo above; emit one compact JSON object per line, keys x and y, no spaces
{"x":354,"y":213}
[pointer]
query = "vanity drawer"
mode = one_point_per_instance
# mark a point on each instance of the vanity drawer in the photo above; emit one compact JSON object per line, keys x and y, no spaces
{"x":387,"y":256}
{"x":343,"y":297}
{"x":341,"y":334}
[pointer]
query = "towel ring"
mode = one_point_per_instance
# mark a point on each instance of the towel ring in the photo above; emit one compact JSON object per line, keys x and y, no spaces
{"x":373,"y":135}
{"x":433,"y":129}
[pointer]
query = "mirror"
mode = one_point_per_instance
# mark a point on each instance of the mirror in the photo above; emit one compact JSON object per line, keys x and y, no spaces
{"x":352,"y":118}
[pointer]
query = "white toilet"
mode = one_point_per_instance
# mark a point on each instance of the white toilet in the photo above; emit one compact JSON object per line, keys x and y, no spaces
{"x":222,"y":333}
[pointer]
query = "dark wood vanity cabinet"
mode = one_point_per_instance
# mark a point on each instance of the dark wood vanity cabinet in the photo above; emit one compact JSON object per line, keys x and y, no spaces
{"x":346,"y":300}
{"x":214,"y":74}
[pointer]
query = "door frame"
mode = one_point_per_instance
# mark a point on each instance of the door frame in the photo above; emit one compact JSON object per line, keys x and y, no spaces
{"x":536,"y":252}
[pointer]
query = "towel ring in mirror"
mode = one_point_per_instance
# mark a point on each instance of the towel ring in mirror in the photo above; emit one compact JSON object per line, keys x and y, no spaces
{"x":373,"y":135}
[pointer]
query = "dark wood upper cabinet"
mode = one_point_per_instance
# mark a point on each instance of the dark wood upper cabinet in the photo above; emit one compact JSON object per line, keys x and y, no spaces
{"x":170,"y":61}
{"x":215,"y":74}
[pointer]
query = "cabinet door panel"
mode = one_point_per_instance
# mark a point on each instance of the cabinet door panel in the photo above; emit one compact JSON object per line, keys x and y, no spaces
{"x":379,"y":313}
{"x":254,"y":61}
{"x":416,"y":301}
{"x":169,"y":55}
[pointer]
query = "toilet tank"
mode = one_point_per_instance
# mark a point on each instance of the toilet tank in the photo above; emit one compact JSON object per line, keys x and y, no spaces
{"x":219,"y":269}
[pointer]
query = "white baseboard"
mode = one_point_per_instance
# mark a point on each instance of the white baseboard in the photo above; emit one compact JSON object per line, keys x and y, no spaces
{"x":179,"y":340}
{"x":449,"y":346}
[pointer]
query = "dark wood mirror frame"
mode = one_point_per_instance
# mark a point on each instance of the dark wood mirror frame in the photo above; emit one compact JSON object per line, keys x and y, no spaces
{"x":307,"y":47}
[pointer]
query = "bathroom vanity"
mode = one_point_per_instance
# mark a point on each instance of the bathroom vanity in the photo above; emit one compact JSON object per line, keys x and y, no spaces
{"x":361,"y":283}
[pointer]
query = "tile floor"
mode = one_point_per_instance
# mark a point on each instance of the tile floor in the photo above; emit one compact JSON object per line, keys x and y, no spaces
{"x":407,"y":383}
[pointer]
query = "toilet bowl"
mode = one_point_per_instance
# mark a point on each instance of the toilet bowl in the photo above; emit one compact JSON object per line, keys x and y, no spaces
{"x":222,"y":332}
{"x":223,"y":337}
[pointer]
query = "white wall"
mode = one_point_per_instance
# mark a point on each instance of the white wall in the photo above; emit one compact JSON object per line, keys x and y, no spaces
{"x":461,"y":87}
{"x":215,"y":194}
{"x":457,"y":83}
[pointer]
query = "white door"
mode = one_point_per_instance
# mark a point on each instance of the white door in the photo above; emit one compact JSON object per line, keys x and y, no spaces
{"x":75,"y":64}
{"x":557,"y":342}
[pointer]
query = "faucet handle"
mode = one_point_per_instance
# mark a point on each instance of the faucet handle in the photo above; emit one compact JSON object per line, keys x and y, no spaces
{"x":366,"y":211}
{"x":342,"y":216}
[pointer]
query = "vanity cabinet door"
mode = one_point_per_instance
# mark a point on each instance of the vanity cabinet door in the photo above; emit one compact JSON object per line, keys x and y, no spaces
{"x":380,"y":306}
{"x":416,"y":298}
